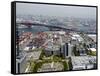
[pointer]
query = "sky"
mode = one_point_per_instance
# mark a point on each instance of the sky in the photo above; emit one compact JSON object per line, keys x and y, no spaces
{"x":55,"y":10}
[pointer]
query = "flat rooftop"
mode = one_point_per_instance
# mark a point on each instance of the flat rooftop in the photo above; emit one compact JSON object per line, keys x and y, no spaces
{"x":82,"y":60}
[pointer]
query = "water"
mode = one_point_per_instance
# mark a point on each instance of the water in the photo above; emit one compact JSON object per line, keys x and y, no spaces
{"x":34,"y":29}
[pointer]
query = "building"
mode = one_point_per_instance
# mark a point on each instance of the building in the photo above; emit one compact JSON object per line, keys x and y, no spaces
{"x":92,"y":51}
{"x":29,"y":48}
{"x":66,"y":50}
{"x":83,"y":62}
{"x":51,"y":49}
{"x":82,"y":52}
{"x":54,"y":66}
{"x":70,"y":48}
{"x":21,"y":63}
{"x":93,"y":37}
{"x":76,"y":38}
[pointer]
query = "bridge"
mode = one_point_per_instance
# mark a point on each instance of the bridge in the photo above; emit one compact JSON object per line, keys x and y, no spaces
{"x":51,"y":27}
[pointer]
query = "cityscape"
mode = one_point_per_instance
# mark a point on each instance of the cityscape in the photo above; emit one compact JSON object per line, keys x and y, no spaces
{"x":52,"y":42}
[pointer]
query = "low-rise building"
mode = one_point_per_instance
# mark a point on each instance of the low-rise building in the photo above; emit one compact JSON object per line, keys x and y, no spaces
{"x":83,"y":62}
{"x":51,"y":49}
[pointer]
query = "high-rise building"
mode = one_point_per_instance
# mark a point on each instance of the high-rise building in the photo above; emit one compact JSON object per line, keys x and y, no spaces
{"x":64,"y":50}
{"x":70,"y":49}
{"x":21,"y":64}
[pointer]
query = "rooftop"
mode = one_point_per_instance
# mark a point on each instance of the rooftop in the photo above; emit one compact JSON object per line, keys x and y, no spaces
{"x":82,"y":60}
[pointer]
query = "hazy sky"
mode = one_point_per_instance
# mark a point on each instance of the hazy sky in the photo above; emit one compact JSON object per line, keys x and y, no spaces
{"x":55,"y":10}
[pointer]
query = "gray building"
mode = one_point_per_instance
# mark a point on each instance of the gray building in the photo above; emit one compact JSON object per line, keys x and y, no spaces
{"x":66,"y":50}
{"x":21,"y":64}
{"x":83,"y":62}
{"x":54,"y":50}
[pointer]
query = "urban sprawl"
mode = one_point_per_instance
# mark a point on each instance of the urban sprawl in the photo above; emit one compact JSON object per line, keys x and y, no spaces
{"x":67,"y":45}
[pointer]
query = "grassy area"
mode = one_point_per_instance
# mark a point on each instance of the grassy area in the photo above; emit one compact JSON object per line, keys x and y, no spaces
{"x":66,"y":66}
{"x":42,"y":54}
{"x":75,"y":51}
{"x":59,"y":59}
{"x":92,"y":53}
{"x":70,"y":64}
{"x":56,"y":58}
{"x":32,"y":65}
{"x":35,"y":65}
{"x":38,"y":49}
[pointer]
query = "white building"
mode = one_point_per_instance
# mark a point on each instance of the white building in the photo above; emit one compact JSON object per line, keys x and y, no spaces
{"x":83,"y":62}
{"x":76,"y":36}
{"x":93,"y":37}
{"x":70,"y":48}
